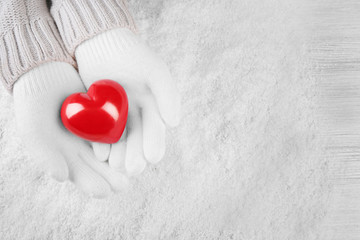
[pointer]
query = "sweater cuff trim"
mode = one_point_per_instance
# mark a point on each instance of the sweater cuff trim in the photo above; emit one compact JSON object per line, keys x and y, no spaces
{"x":27,"y":46}
{"x":81,"y":20}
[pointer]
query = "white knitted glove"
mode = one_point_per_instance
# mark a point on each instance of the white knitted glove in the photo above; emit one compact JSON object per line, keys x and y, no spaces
{"x":38,"y":96}
{"x":154,"y":100}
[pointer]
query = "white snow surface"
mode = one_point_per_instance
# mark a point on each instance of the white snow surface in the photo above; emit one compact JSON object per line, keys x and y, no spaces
{"x":248,"y":160}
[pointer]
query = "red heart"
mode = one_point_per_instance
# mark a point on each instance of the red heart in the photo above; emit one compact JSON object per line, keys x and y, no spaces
{"x":99,"y":115}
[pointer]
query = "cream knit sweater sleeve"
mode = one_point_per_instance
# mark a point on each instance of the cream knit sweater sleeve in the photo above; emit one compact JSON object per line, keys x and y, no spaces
{"x":28,"y":37}
{"x":79,"y":20}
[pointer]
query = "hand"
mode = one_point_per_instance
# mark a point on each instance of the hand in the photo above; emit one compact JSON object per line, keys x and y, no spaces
{"x":38,"y":96}
{"x":154,"y":101}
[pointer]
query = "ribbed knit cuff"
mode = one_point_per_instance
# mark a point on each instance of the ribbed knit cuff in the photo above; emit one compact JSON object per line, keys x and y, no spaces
{"x":80,"y":20}
{"x":27,"y":46}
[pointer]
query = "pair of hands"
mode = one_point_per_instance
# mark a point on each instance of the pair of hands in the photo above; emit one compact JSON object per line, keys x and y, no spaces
{"x":95,"y":168}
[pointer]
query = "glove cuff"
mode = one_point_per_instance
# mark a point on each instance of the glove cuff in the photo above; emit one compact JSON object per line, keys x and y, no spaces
{"x":46,"y":79}
{"x":99,"y":48}
{"x":80,"y":20}
{"x":97,"y":51}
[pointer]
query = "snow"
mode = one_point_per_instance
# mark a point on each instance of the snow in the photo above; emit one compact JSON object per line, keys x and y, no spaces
{"x":248,"y":160}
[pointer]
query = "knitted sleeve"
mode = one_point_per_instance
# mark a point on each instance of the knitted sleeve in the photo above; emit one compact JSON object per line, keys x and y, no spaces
{"x":79,"y":20}
{"x":28,"y":37}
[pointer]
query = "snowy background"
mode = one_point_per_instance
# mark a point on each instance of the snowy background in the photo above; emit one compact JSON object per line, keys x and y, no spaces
{"x":268,"y":147}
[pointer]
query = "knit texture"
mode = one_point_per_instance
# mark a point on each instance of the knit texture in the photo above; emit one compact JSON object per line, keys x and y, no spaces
{"x":120,"y":55}
{"x":28,"y":38}
{"x":80,"y":20}
{"x":38,"y":96}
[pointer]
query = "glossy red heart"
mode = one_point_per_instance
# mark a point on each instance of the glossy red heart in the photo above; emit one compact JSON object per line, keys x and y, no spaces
{"x":99,"y":115}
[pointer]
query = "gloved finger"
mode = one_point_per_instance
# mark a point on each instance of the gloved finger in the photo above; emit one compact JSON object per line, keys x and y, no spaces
{"x":86,"y":179}
{"x":117,"y":154}
{"x":134,"y":159}
{"x":166,"y":94}
{"x":101,"y":150}
{"x":116,"y":179}
{"x":153,"y":131}
{"x":55,"y":165}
